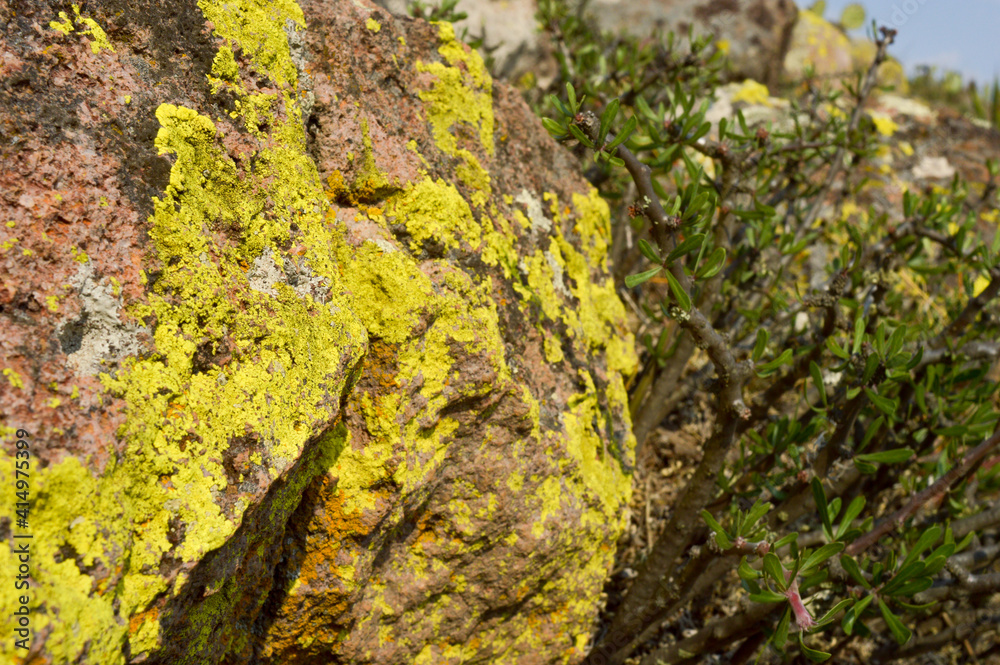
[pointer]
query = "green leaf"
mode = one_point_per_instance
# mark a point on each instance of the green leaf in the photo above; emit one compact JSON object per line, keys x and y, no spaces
{"x":821,"y":555}
{"x":853,"y":614}
{"x":615,"y":161}
{"x":556,"y":102}
{"x":713,"y":264}
{"x":836,"y":349}
{"x":747,"y":573}
{"x":900,"y":632}
{"x":649,"y":251}
{"x":787,"y":539}
{"x":859,"y":334}
{"x":643,"y":106}
{"x":817,"y":377}
{"x":608,"y":117}
{"x":896,"y":340}
{"x":906,"y":572}
{"x":812,"y":654}
{"x":884,"y":404}
{"x":554,"y":128}
{"x":645,"y":276}
{"x":914,"y":586}
{"x":781,"y":632}
{"x":834,"y":611}
{"x":767,"y":596}
{"x":580,"y":136}
{"x":852,"y":568}
{"x":624,"y":134}
{"x":761,"y":344}
{"x":866,"y":468}
{"x":704,"y":129}
{"x":720,"y":534}
{"x":690,"y":243}
{"x":873,"y":428}
{"x":926,"y":539}
{"x":571,"y":96}
{"x":820,"y":497}
{"x":880,"y":338}
{"x":872,"y":363}
{"x":813,"y":579}
{"x":912,"y":607}
{"x":772,"y":566}
{"x":758,"y":510}
{"x":682,"y":297}
{"x":769,"y":368}
{"x":887,"y":456}
{"x":853,"y":510}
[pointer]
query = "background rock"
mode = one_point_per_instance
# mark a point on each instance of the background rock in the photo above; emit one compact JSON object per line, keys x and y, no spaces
{"x":754,"y":33}
{"x":832,"y":55}
{"x":352,"y":388}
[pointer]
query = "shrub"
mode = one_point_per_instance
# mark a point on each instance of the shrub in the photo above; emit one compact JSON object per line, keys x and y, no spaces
{"x":848,"y":487}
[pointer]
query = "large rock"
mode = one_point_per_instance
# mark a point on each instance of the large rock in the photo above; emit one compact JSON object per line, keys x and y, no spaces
{"x":509,"y":32}
{"x":755,"y":33}
{"x":311,"y":331}
{"x":819,"y":47}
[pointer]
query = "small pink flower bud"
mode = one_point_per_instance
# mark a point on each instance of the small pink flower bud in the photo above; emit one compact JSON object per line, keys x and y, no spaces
{"x":803,"y":619}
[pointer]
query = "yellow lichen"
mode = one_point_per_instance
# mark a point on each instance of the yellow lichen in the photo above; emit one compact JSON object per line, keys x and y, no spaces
{"x":13,"y":378}
{"x":435,"y":211}
{"x":290,"y":362}
{"x":752,"y":92}
{"x":98,"y":38}
{"x":461,"y":93}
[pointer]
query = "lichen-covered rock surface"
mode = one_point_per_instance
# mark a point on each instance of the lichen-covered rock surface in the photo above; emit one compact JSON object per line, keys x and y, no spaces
{"x":311,"y":330}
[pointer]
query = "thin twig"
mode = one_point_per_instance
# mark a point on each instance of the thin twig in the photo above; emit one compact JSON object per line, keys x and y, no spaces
{"x":960,"y":470}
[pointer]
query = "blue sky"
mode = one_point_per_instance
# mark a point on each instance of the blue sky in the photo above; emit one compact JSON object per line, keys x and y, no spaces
{"x":962,"y":35}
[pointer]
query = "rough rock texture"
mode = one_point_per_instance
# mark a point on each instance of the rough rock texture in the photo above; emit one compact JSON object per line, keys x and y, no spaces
{"x":509,"y":32}
{"x":822,"y":47}
{"x":311,"y":330}
{"x":755,"y":33}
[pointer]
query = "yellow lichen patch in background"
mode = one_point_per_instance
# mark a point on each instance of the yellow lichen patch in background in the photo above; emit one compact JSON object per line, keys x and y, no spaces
{"x":373,"y":25}
{"x":753,"y":92}
{"x":883,"y":122}
{"x":461,"y":94}
{"x":98,"y":38}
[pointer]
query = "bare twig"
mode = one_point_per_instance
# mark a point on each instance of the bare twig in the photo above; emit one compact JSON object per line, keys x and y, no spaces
{"x":960,"y":470}
{"x":714,"y":636}
{"x":871,"y":77}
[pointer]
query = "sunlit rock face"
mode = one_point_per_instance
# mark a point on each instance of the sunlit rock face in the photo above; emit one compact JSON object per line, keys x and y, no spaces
{"x":310,"y":327}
